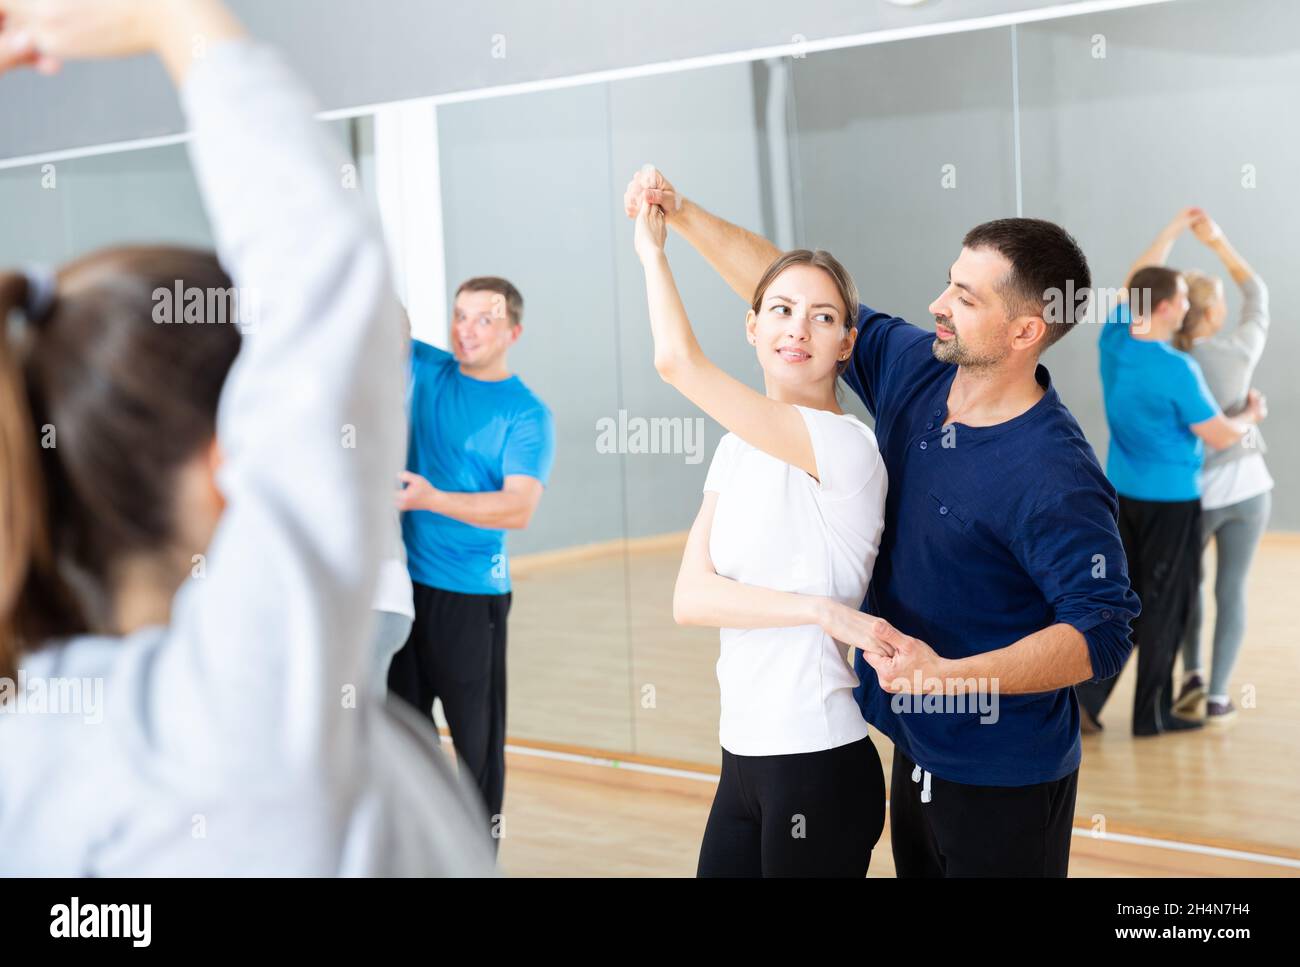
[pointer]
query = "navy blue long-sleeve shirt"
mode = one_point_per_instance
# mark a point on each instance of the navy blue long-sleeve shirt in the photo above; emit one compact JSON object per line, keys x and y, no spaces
{"x":991,"y":534}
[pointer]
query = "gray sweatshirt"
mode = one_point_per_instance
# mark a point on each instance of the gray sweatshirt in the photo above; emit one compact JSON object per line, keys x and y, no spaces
{"x":240,"y":739}
{"x":1228,"y":361}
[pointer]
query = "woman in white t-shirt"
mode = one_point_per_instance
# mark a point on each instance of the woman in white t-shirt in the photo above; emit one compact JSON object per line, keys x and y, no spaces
{"x":779,"y":558}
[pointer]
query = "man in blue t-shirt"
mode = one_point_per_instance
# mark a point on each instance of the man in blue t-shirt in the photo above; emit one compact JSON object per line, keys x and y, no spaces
{"x":1160,"y":413}
{"x":1001,"y":580}
{"x":480,"y":452}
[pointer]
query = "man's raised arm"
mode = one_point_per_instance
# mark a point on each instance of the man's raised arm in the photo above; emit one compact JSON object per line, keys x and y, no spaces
{"x":739,"y":256}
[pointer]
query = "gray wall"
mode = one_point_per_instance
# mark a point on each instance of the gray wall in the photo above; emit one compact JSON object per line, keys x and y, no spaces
{"x":54,"y":213}
{"x":60,"y":210}
{"x":398,"y":49}
{"x":699,"y":129}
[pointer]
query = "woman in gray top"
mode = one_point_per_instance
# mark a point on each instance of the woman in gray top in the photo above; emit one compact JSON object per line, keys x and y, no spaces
{"x":1235,"y":483}
{"x":194,"y":701}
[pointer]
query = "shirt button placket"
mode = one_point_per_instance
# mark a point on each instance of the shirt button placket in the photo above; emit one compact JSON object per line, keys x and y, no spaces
{"x":930,"y":426}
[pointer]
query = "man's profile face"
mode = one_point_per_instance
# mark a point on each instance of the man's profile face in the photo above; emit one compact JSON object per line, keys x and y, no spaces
{"x":970,"y":315}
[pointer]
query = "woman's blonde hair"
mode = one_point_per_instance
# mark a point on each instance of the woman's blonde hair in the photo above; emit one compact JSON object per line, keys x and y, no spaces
{"x":1202,"y":294}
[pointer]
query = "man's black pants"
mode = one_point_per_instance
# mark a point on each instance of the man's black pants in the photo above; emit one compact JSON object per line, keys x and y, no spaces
{"x":457,"y":653}
{"x":949,"y":829}
{"x":1162,"y":540}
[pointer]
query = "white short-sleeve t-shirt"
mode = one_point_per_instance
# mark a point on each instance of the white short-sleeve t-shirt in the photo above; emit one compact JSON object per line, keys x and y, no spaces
{"x":789,"y":690}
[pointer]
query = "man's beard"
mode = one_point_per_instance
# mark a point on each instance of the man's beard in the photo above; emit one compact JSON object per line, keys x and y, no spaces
{"x":955,"y":351}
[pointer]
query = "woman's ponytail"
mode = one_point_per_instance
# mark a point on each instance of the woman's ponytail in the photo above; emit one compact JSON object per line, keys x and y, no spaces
{"x":34,"y":601}
{"x":1202,"y":291}
{"x":100,"y":406}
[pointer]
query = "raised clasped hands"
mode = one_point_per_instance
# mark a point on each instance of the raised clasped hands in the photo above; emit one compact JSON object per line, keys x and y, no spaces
{"x":1206,"y":229}
{"x":651,"y":229}
{"x":650,"y":185}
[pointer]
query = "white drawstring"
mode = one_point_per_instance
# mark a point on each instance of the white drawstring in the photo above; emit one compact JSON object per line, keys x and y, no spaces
{"x":917,"y":773}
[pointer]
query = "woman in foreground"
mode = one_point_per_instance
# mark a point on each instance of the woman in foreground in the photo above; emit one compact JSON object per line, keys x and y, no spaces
{"x":211,"y":568}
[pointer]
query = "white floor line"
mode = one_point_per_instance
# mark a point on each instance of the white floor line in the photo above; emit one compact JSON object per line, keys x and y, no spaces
{"x":613,"y":763}
{"x":1170,"y":844}
{"x":1199,"y":848}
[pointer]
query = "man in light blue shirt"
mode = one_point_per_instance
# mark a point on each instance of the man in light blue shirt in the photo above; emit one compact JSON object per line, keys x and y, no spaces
{"x":1161,"y":415}
{"x":480,"y":452}
{"x":1154,"y":395}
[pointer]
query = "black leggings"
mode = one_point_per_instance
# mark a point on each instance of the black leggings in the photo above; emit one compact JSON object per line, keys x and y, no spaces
{"x":806,"y":814}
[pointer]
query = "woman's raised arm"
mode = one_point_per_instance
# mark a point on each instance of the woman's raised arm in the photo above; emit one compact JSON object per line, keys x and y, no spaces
{"x":766,"y":424}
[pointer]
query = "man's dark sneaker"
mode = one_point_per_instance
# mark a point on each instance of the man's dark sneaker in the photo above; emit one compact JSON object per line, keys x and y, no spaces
{"x":1172,"y":723}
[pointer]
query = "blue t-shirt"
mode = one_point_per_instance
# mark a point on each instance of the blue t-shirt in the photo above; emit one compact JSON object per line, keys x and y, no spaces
{"x":1154,"y":393}
{"x":467,"y":436}
{"x":991,"y":534}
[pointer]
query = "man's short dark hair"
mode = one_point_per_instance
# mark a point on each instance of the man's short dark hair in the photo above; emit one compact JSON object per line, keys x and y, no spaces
{"x":512,"y":301}
{"x":1048,"y":271}
{"x":1150,"y":286}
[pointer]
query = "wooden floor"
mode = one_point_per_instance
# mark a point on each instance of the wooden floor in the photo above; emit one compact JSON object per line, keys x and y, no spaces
{"x":597,"y":663}
{"x":559,"y":823}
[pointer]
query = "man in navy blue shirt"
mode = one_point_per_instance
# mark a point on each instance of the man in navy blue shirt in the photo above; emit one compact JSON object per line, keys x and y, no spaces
{"x":1001,"y":580}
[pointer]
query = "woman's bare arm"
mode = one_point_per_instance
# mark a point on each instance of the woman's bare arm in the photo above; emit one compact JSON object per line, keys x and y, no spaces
{"x":704,"y":597}
{"x":775,"y":428}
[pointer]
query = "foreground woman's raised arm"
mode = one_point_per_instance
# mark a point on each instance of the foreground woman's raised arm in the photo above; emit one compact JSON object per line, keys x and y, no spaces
{"x":248,"y":690}
{"x":311,"y":423}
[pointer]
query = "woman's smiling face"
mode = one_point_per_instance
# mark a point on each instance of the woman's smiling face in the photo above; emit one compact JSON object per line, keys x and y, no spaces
{"x":802,"y":330}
